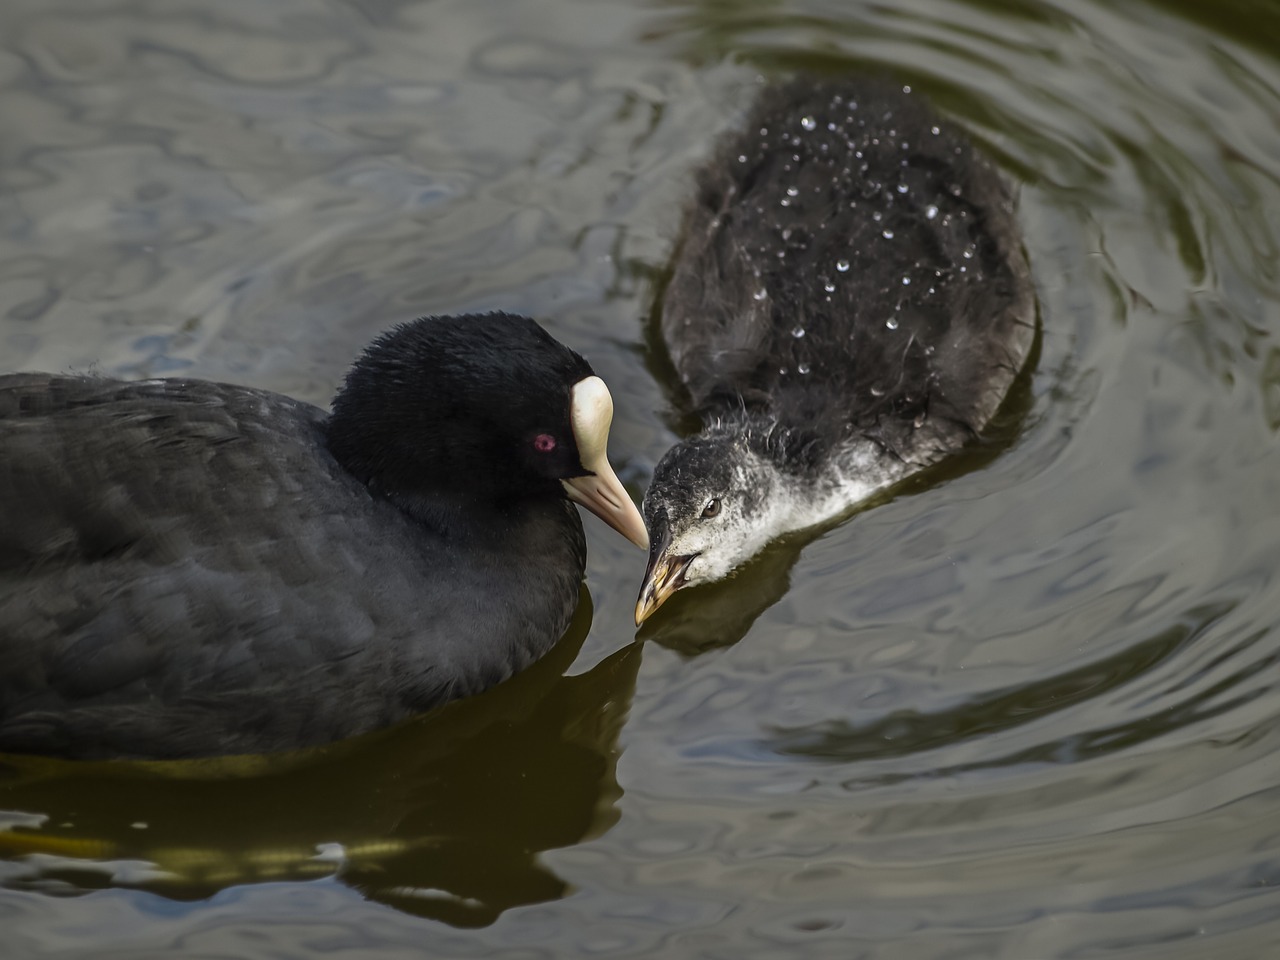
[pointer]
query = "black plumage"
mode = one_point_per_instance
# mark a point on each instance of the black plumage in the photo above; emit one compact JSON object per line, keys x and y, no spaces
{"x":192,"y":568}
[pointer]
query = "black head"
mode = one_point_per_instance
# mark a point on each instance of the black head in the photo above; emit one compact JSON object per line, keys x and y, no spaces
{"x":471,"y":403}
{"x":479,"y":409}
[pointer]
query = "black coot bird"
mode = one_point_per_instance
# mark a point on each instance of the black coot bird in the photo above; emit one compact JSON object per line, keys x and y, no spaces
{"x":850,"y":303}
{"x":191,"y":568}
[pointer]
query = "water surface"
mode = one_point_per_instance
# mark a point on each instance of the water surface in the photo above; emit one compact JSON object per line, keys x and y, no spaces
{"x":1024,"y":709}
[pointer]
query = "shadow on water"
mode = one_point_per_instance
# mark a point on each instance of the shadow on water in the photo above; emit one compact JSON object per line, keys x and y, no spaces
{"x":443,"y":817}
{"x":905,"y":732}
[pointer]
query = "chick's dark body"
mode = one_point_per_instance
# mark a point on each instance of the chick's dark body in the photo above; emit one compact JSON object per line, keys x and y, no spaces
{"x":850,"y":265}
{"x":849,"y":305}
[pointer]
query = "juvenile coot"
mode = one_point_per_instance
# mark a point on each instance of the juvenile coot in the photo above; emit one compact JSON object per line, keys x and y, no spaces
{"x":191,"y":568}
{"x":850,"y":303}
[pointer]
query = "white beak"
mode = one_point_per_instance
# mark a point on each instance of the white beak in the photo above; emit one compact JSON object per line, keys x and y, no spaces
{"x":601,"y":492}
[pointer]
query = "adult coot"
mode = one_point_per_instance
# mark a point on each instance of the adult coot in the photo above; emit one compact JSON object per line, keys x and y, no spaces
{"x":850,"y":303}
{"x":192,"y":568}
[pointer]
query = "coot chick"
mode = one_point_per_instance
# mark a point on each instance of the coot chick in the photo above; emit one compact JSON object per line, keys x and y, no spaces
{"x":191,"y":568}
{"x":849,"y":304}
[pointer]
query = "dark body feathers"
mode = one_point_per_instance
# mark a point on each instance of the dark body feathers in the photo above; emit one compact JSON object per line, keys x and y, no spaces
{"x":186,"y":569}
{"x":844,"y":267}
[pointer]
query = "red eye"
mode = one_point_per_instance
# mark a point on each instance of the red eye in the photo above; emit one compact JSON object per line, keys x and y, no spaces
{"x":544,"y":443}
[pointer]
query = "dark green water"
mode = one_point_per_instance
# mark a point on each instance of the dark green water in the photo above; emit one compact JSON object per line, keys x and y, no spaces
{"x":1024,"y":710}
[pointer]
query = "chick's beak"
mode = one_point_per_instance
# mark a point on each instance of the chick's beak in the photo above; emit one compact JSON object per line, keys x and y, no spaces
{"x":663,"y":577}
{"x":600,"y":491}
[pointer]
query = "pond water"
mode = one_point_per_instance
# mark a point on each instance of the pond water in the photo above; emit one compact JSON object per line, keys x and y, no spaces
{"x":1024,"y":709}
